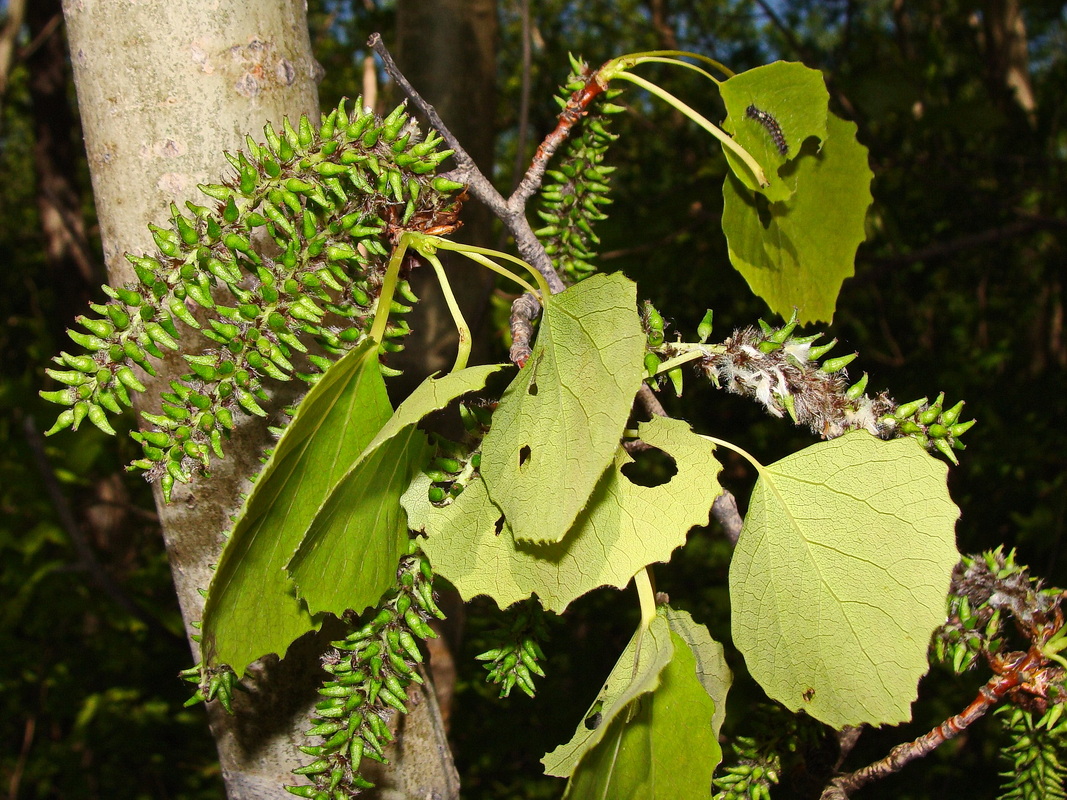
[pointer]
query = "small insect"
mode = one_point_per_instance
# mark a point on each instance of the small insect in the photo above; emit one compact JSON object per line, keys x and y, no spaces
{"x":808,"y":694}
{"x":772,"y":126}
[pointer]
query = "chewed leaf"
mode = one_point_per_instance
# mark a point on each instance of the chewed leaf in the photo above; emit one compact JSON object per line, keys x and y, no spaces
{"x":624,"y":528}
{"x":710,"y":660}
{"x":636,"y":673}
{"x":840,"y":575}
{"x":559,"y":423}
{"x":251,"y":608}
{"x":663,"y":747}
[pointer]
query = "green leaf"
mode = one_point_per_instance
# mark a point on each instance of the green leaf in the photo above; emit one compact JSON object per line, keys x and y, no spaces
{"x":796,"y":253}
{"x":665,"y":747}
{"x":711,"y":669}
{"x":559,"y":423}
{"x":636,"y":672}
{"x":796,"y":98}
{"x":624,"y":528}
{"x":840,"y":576}
{"x":251,"y":608}
{"x":349,"y":556}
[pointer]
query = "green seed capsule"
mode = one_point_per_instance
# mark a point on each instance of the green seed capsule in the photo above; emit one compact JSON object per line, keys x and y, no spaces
{"x":907,"y":409}
{"x":961,"y":428}
{"x":446,"y":186}
{"x":675,"y":376}
{"x":937,"y":431}
{"x":946,"y":450}
{"x":705,"y":327}
{"x":166,"y":241}
{"x":950,"y":416}
{"x":855,"y":391}
{"x":832,"y":365}
{"x":815,"y":353}
{"x":248,"y":403}
{"x":930,"y":415}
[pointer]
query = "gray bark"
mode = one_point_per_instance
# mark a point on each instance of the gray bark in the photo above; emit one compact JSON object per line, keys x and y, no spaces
{"x":164,"y":87}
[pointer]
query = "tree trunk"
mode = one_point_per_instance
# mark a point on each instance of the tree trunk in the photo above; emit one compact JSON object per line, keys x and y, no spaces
{"x":164,"y":86}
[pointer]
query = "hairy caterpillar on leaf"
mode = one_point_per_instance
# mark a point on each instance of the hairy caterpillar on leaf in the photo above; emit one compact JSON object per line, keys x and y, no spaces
{"x":772,"y":126}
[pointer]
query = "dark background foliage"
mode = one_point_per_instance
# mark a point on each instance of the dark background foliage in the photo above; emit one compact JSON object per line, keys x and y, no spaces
{"x":960,"y":288}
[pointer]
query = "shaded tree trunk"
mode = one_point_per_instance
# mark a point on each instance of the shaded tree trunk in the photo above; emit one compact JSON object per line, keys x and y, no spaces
{"x":72,"y":270}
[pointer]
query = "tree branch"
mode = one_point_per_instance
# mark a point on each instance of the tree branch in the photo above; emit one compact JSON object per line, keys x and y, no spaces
{"x":988,"y":696}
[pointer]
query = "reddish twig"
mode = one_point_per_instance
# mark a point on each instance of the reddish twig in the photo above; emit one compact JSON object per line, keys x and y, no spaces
{"x":576,"y":108}
{"x":1014,"y":676}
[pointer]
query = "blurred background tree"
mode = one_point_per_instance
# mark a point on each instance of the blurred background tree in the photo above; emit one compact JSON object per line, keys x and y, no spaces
{"x":960,"y":287}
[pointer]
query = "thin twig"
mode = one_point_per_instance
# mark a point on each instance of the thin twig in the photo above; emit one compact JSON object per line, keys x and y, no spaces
{"x":576,"y":109}
{"x":511,"y":213}
{"x":846,"y":740}
{"x":988,"y":696}
{"x":84,"y":551}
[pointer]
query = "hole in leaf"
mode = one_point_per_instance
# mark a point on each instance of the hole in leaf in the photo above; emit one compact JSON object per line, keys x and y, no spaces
{"x":524,"y":455}
{"x":499,"y":525}
{"x":650,"y":467}
{"x":533,"y":388}
{"x":592,"y":722}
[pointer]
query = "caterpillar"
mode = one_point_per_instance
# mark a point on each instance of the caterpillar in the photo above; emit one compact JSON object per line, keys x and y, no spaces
{"x":772,"y":126}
